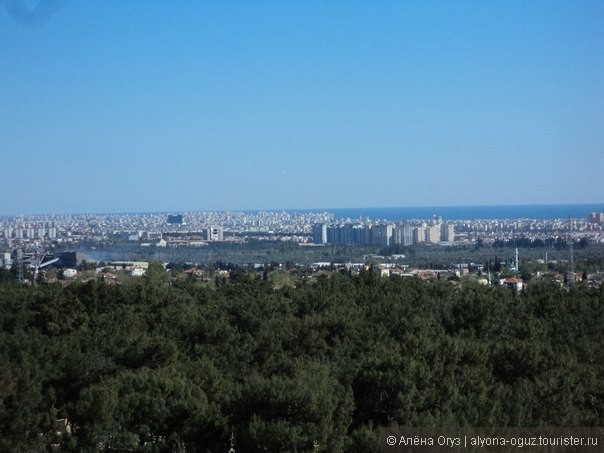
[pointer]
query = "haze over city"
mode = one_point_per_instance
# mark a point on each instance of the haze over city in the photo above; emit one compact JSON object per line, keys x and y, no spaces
{"x":130,"y":107}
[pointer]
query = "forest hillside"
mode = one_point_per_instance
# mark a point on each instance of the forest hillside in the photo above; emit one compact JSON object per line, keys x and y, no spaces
{"x":237,"y":365}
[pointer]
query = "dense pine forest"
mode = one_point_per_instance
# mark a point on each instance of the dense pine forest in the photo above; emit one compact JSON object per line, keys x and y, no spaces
{"x":236,"y":364}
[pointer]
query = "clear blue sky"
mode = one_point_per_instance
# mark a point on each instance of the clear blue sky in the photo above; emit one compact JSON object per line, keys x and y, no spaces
{"x":128,"y":106}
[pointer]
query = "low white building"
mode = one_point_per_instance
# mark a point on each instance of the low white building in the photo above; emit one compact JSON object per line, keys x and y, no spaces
{"x":516,"y":284}
{"x":70,"y":273}
{"x":137,"y":271}
{"x":5,"y":260}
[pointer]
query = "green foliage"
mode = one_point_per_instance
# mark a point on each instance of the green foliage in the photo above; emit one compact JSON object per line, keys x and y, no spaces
{"x":254,"y":365}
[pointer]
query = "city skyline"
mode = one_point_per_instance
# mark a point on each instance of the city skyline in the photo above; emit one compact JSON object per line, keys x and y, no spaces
{"x":117,"y":107}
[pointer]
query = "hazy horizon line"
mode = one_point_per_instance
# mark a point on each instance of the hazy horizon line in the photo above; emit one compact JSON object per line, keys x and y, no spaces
{"x":314,"y":209}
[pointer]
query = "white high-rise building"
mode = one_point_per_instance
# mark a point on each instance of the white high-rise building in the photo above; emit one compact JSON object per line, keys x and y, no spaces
{"x":447,"y":233}
{"x":419,"y":234}
{"x":403,"y":234}
{"x":319,"y":233}
{"x":381,"y":234}
{"x":433,"y":233}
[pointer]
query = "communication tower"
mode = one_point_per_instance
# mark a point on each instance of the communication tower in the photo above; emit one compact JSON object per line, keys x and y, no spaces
{"x":571,"y":262}
{"x":19,"y":264}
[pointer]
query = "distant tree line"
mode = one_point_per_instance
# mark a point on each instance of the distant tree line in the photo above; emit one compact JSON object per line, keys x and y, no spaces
{"x":558,"y":243}
{"x":237,"y":365}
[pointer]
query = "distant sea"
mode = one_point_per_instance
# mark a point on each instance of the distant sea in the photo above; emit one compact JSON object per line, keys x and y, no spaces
{"x":553,"y":211}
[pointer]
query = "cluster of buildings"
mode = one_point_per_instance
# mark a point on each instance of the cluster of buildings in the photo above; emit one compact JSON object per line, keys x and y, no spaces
{"x":42,"y":230}
{"x":318,"y":228}
{"x":385,"y":234}
{"x":19,"y":231}
{"x":596,"y":217}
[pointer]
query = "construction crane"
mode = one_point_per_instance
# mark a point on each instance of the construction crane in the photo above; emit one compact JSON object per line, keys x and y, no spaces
{"x":39,"y":264}
{"x":34,"y":261}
